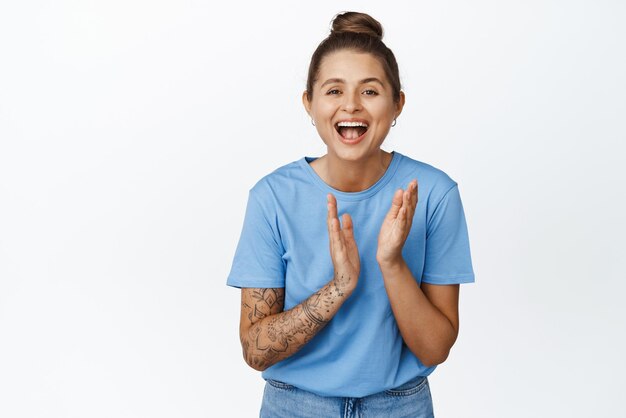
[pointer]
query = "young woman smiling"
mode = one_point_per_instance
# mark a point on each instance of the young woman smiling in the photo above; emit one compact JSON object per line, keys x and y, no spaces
{"x":348,"y":318}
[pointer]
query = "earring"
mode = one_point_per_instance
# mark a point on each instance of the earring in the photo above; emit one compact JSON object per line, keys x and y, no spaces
{"x":312,"y":123}
{"x":393,"y":123}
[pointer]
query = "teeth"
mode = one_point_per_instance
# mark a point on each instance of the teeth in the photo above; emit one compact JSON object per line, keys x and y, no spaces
{"x":352,"y":124}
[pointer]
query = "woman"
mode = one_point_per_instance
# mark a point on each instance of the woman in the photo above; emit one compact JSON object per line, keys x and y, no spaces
{"x":354,"y":329}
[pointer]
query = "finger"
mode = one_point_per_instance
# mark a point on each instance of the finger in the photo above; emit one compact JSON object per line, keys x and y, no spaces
{"x":402,"y":218}
{"x":331,"y":221}
{"x":396,"y":204}
{"x":334,"y":227}
{"x":333,"y":231}
{"x":406,"y":199}
{"x":332,"y":205}
{"x":348,"y":231}
{"x":413,"y":200}
{"x":349,"y":242}
{"x":414,"y":195}
{"x":409,"y":195}
{"x":336,"y":239}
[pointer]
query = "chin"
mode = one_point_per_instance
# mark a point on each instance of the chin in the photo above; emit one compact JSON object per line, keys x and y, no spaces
{"x":354,"y":154}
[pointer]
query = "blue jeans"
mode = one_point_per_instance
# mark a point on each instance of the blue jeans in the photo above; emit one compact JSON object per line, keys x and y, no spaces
{"x":411,"y":400}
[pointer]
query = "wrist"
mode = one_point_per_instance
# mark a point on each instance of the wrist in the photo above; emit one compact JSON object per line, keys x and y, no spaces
{"x":342,"y":287}
{"x":391,"y":265}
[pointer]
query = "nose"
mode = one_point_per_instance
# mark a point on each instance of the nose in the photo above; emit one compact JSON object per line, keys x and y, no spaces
{"x":352,"y":102}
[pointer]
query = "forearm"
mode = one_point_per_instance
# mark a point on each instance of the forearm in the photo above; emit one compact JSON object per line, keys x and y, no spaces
{"x":278,"y":336}
{"x":427,"y":332}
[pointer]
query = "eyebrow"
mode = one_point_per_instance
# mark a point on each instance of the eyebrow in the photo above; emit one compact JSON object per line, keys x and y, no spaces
{"x":342,"y":81}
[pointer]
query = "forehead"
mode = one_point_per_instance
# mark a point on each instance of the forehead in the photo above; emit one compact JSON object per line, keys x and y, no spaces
{"x":350,"y":65}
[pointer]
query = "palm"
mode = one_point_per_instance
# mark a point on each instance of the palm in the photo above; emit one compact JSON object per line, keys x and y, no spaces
{"x":343,"y":249}
{"x":348,"y":260}
{"x":390,"y":239}
{"x":397,"y":224}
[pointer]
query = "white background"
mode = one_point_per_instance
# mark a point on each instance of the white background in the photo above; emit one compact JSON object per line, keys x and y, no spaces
{"x":131,"y":132}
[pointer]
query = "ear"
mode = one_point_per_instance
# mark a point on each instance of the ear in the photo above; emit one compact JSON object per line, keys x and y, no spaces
{"x":306,"y":102}
{"x":400,"y":104}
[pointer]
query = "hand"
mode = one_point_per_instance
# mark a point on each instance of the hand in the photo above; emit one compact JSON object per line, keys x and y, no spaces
{"x":396,"y":226}
{"x":343,"y":250}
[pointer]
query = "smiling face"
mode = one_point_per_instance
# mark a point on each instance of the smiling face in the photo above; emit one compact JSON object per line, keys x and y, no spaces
{"x":352,"y":104}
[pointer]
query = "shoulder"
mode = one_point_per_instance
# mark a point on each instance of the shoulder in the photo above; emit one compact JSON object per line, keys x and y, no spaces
{"x":286,"y":180}
{"x":432,"y":181}
{"x":277,"y":178}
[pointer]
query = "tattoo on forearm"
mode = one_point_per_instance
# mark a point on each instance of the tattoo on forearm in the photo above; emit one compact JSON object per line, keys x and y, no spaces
{"x":341,"y":281}
{"x":284,"y":333}
{"x":311,"y":307}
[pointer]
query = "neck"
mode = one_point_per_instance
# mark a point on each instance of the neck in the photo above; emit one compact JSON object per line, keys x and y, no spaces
{"x":352,"y":176}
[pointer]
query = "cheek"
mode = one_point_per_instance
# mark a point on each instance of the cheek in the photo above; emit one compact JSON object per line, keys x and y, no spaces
{"x":382,"y":131}
{"x":325,"y":110}
{"x":383,"y":111}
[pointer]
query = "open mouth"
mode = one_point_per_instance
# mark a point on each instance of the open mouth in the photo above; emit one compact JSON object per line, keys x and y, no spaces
{"x":351,"y":130}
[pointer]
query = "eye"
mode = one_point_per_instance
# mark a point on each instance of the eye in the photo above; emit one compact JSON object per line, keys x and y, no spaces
{"x":333,"y":91}
{"x":370,"y":92}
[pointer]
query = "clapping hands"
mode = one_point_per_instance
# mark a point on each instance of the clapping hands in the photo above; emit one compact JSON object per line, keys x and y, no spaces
{"x":393,"y":234}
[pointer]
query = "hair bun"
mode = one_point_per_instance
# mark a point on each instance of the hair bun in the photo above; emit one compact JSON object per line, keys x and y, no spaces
{"x":356,"y":22}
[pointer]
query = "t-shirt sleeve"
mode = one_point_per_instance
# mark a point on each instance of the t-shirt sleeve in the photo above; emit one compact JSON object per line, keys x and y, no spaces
{"x":258,"y":258}
{"x":448,"y":259}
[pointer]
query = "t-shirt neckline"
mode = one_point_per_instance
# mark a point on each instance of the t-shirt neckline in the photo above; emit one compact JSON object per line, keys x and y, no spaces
{"x":352,"y":196}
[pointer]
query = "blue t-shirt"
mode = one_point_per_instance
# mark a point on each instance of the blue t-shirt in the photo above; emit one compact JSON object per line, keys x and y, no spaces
{"x":284,"y":243}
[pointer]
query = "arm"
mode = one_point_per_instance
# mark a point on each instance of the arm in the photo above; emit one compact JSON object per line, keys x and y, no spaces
{"x":269,"y":335}
{"x":427,"y":317}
